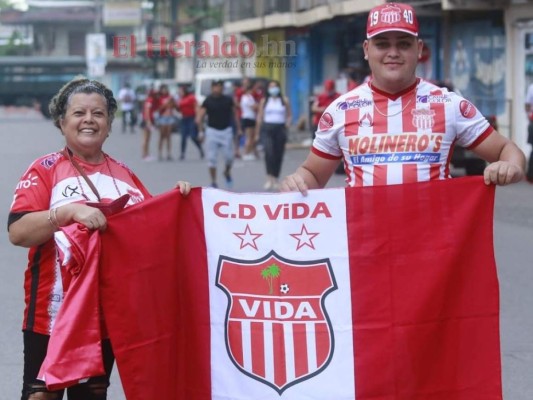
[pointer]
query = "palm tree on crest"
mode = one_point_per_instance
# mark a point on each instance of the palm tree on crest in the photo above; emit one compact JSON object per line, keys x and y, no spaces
{"x":269,"y":273}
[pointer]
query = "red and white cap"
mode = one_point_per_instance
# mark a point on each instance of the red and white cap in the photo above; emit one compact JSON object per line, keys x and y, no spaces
{"x":391,"y":17}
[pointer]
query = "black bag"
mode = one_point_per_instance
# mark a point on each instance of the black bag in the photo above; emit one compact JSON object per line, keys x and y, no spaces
{"x":530,"y":132}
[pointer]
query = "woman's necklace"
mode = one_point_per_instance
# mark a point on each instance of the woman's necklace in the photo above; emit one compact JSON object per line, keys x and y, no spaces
{"x":79,"y":170}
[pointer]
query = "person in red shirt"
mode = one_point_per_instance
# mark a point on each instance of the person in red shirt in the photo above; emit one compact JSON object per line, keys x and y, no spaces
{"x":322,"y":101}
{"x":187,"y":105}
{"x":73,"y":185}
{"x":150,"y":105}
{"x":165,"y":120}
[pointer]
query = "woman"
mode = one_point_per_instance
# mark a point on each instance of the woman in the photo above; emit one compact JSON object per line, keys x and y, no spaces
{"x":187,"y":107}
{"x":248,"y":107}
{"x":273,"y":118}
{"x":166,"y":108}
{"x":83,"y":110}
{"x":151,"y":104}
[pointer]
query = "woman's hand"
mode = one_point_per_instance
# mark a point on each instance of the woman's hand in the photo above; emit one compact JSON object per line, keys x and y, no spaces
{"x":91,"y":217}
{"x":184,"y":187}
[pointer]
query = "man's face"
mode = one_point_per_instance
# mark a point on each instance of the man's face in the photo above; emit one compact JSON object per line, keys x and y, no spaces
{"x":393,"y":57}
{"x":216,"y":89}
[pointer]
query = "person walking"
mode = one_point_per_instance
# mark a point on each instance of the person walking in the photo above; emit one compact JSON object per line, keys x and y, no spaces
{"x":187,"y":107}
{"x":273,"y":120}
{"x":127,"y":99}
{"x":148,"y":124}
{"x":165,"y":120}
{"x":322,"y":101}
{"x":248,"y":111}
{"x":64,"y":182}
{"x":398,"y":128}
{"x":220,"y":111}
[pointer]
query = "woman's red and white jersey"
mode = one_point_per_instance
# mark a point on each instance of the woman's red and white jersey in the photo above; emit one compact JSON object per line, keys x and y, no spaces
{"x":408,"y":137}
{"x":51,"y":181}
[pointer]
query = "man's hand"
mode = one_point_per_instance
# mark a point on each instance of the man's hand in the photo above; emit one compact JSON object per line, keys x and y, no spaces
{"x":293,"y":183}
{"x":503,"y":173}
{"x":184,"y":187}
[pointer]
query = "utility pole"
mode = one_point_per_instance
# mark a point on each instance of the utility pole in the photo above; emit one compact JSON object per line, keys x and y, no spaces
{"x":174,"y":32}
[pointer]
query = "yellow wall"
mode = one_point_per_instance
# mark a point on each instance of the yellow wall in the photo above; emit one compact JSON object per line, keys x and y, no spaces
{"x":270,"y":47}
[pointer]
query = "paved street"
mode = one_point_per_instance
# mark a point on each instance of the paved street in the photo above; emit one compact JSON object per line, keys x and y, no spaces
{"x":23,"y":141}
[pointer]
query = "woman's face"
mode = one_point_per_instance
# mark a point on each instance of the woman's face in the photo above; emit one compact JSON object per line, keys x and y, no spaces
{"x":86,"y":125}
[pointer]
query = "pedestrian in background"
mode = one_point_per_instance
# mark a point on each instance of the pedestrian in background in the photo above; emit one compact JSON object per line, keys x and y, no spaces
{"x":322,"y":101}
{"x":165,"y":120}
{"x":273,"y":121}
{"x":529,"y":112}
{"x":148,"y":124}
{"x":388,"y":114}
{"x":220,"y":111}
{"x":248,"y":111}
{"x":127,"y":99}
{"x":187,"y":107}
{"x":64,"y":182}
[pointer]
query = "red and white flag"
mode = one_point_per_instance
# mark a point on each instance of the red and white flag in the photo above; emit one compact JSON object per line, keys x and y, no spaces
{"x":377,"y":293}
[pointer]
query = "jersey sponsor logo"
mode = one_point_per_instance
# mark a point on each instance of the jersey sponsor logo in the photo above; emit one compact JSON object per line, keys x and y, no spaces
{"x":326,"y":122}
{"x":350,"y":104}
{"x":49,"y":161}
{"x":27,"y":182}
{"x":386,"y":158}
{"x":366,"y":121}
{"x":277,"y":329}
{"x":467,"y":109}
{"x":391,"y":144}
{"x":423,"y":119}
{"x":71,"y":190}
{"x":433,"y":99}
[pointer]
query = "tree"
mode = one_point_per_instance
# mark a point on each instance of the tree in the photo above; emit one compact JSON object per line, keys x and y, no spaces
{"x":269,"y":273}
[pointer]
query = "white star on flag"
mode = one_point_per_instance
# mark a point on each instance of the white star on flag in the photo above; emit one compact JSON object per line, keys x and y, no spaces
{"x":304,"y":238}
{"x":248,"y":238}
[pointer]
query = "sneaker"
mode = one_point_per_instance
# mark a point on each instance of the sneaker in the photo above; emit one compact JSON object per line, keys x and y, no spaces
{"x":148,"y":158}
{"x":249,"y":157}
{"x":268,"y":185}
{"x":214,"y":185}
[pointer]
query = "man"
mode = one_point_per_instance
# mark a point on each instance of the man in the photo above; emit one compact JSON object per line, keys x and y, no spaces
{"x":322,"y":101}
{"x":127,"y":97}
{"x":529,"y":111}
{"x":398,"y":128}
{"x":221,"y":113}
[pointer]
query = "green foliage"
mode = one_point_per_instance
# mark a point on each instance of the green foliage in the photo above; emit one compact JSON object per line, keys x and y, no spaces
{"x":13,"y":47}
{"x":269,"y":273}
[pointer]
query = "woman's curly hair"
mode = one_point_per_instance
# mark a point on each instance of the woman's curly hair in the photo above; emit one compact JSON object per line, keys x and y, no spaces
{"x":80,"y":84}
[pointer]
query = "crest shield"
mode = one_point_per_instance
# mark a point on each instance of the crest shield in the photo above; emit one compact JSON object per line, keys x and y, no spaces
{"x":277,"y":329}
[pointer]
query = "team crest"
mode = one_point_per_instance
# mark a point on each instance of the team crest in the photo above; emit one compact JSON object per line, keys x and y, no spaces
{"x":423,"y":118}
{"x":391,"y":15}
{"x":277,"y":329}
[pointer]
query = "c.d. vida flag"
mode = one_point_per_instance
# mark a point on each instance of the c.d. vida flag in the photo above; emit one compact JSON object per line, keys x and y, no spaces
{"x":382,"y":293}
